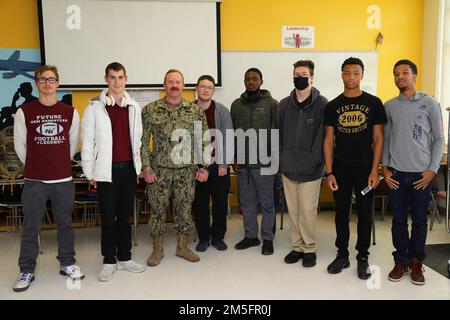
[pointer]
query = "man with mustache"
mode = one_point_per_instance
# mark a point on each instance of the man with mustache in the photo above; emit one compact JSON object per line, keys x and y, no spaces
{"x":167,"y":171}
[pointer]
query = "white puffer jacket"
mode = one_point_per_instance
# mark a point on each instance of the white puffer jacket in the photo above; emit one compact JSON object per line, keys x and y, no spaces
{"x":96,"y":135}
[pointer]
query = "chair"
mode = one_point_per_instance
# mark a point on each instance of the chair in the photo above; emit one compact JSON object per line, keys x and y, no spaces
{"x":141,"y":206}
{"x":381,"y":192}
{"x":435,"y":197}
{"x":89,"y":202}
{"x":280,"y":199}
{"x":230,"y":194}
{"x":353,"y":201}
{"x":15,"y":218}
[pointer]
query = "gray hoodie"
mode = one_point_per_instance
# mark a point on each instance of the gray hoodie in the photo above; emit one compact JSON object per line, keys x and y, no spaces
{"x":414,"y":134}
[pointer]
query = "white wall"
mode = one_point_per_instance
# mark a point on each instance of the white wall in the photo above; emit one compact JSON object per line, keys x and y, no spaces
{"x":445,"y":80}
{"x":277,"y":68}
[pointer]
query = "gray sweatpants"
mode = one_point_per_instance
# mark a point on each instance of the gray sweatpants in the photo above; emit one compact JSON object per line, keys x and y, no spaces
{"x":34,"y":198}
{"x":256,"y":189}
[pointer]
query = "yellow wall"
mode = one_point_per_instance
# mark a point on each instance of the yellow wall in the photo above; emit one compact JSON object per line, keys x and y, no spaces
{"x":339,"y":25}
{"x":19,"y":24}
{"x":430,"y":48}
{"x":256,"y":25}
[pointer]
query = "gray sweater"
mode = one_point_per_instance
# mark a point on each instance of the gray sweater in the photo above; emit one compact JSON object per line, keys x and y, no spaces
{"x":223,"y":122}
{"x":413,"y":136}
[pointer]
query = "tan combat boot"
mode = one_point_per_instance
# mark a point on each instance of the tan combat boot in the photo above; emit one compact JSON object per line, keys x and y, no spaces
{"x":158,"y":251}
{"x":183,"y":251}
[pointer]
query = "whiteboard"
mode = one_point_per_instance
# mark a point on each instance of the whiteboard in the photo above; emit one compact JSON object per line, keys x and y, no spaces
{"x":81,"y":37}
{"x":277,"y":69}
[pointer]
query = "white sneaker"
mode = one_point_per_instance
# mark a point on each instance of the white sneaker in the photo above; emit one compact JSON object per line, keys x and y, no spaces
{"x":131,"y":266}
{"x":107,"y":272}
{"x":23,"y":281}
{"x":73,"y":271}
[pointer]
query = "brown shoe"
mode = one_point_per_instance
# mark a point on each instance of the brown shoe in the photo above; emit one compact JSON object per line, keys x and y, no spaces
{"x":183,"y":251}
{"x":398,"y":272}
{"x":417,"y":272}
{"x":158,"y":251}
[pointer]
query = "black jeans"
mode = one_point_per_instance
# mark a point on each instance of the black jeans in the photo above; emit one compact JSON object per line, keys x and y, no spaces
{"x":116,"y":202}
{"x":350,"y":178}
{"x":217,"y":189}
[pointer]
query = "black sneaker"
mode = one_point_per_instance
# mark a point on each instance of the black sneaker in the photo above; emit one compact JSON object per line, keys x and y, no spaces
{"x":202,"y":246}
{"x":309,"y":260}
{"x":247,"y":243}
{"x":267,"y":247}
{"x":219,"y":244}
{"x":363,"y":266}
{"x":338,"y":264}
{"x":293,"y":256}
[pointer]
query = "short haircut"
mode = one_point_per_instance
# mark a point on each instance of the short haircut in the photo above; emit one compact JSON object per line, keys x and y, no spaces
{"x":41,"y":69}
{"x":352,"y":60}
{"x":254,"y":70}
{"x":305,"y":63}
{"x":173,"y":71}
{"x":411,"y":64}
{"x":206,"y":77}
{"x":116,"y":66}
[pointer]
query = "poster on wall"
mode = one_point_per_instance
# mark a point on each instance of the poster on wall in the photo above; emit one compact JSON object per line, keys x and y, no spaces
{"x":297,"y":37}
{"x":17,"y":87}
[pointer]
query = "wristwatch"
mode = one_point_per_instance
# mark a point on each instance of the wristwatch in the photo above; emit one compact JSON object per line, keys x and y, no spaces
{"x":201,"y":168}
{"x":328,"y":174}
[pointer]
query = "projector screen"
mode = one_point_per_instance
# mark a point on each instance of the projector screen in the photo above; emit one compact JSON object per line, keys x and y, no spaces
{"x":147,"y":37}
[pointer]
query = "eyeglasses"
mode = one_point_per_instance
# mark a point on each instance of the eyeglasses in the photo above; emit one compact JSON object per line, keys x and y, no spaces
{"x":203,"y":87}
{"x":50,"y":80}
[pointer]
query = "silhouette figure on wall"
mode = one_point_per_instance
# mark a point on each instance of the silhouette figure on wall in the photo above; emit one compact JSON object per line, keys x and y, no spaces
{"x":25,"y":91}
{"x":67,"y":99}
{"x":7,"y":113}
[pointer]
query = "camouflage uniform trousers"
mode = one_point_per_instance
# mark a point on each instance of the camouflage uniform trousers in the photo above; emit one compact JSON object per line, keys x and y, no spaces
{"x":180,"y":183}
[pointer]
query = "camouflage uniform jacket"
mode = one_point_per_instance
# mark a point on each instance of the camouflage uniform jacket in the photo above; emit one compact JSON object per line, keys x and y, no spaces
{"x":159,"y":122}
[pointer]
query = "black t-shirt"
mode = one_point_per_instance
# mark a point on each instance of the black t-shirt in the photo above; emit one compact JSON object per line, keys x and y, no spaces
{"x":304,"y":103}
{"x":353,"y":120}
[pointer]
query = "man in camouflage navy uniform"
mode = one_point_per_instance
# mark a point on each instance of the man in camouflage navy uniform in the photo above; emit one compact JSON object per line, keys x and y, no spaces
{"x":170,"y":172}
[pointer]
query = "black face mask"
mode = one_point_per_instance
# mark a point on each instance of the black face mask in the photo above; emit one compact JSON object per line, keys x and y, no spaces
{"x":301,"y":83}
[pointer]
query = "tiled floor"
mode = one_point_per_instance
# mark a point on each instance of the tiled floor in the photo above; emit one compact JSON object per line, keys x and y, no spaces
{"x":224,"y":275}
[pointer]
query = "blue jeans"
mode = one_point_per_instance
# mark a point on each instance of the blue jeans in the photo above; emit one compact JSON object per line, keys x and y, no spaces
{"x":401,"y":201}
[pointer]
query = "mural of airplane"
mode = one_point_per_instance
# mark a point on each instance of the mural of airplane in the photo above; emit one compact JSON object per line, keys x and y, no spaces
{"x":14,"y":67}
